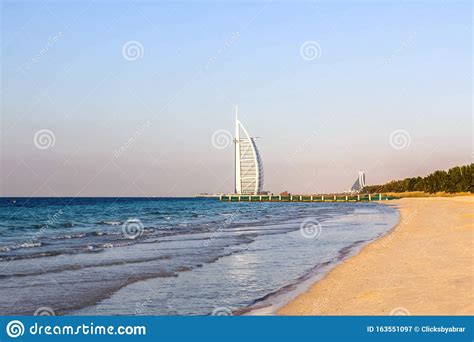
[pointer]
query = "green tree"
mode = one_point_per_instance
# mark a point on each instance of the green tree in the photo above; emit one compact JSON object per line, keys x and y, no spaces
{"x":456,"y":179}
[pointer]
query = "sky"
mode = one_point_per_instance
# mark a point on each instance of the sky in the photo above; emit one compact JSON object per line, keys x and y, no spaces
{"x":103,"y":98}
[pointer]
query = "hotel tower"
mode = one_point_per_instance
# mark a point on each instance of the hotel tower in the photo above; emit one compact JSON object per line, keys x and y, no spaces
{"x":248,"y":163}
{"x":359,"y":184}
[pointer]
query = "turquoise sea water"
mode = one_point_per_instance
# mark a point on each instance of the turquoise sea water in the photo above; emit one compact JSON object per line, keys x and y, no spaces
{"x":170,"y":256}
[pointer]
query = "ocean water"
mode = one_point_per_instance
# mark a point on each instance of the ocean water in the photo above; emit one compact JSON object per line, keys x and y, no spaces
{"x":170,"y":256}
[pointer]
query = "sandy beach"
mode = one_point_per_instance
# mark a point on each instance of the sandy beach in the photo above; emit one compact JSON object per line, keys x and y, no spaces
{"x":424,"y":266}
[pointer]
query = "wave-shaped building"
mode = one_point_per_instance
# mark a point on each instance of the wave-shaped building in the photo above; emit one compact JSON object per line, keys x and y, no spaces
{"x":359,"y":184}
{"x":248,"y":163}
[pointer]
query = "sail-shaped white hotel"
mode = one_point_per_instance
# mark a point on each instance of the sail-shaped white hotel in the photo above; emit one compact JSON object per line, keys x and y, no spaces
{"x":248,"y":163}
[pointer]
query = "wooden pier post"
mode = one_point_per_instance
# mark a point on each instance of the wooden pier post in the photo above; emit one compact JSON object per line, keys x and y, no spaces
{"x":322,"y":198}
{"x":311,"y":200}
{"x":335,"y":199}
{"x":347,"y":198}
{"x":358,"y":198}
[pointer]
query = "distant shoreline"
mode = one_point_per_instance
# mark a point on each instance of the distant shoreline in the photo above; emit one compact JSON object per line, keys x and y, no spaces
{"x":394,"y":194}
{"x":419,"y":268}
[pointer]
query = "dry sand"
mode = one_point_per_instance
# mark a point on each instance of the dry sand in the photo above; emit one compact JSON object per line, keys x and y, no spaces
{"x":424,"y":266}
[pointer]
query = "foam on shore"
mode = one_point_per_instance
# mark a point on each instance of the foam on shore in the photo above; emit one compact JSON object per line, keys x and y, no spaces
{"x":422,"y":267}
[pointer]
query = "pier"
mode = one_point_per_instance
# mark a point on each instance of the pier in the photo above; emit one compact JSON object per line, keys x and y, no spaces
{"x":306,"y":198}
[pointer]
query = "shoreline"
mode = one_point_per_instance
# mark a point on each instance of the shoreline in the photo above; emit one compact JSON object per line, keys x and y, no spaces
{"x":420,"y":267}
{"x":271,"y":303}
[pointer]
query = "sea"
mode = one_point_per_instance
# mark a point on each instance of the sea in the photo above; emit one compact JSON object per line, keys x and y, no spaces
{"x":173,"y":256}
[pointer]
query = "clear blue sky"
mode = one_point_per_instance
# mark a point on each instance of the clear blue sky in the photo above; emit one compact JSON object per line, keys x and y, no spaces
{"x":381,"y":67}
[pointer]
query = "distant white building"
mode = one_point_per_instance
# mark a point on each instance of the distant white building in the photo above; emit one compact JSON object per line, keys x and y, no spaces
{"x":359,"y":184}
{"x":248,"y":163}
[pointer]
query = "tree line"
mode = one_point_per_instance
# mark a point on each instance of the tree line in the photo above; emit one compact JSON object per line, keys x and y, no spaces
{"x":456,"y":179}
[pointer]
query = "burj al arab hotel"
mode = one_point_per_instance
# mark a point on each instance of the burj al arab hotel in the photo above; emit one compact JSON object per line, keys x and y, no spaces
{"x":248,"y":163}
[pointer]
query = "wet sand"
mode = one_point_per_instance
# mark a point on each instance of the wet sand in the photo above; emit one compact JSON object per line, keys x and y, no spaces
{"x":424,"y":266}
